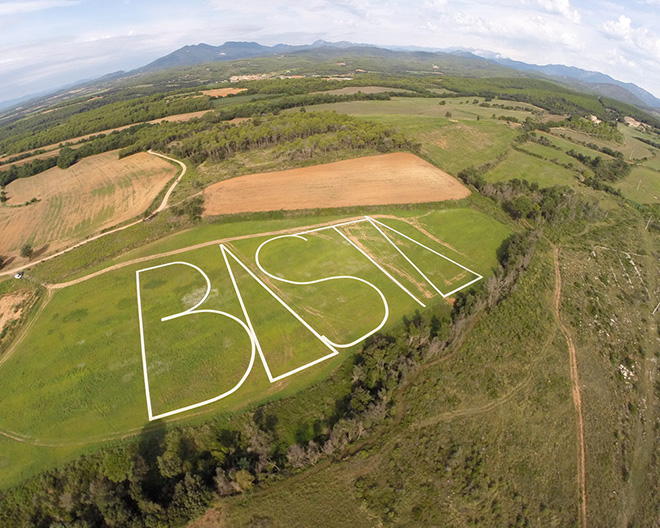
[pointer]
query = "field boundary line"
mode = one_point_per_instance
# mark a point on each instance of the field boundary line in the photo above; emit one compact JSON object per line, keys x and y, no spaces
{"x":405,"y":256}
{"x":479,"y":277}
{"x":388,"y":275}
{"x":147,"y":258}
{"x":163,"y":204}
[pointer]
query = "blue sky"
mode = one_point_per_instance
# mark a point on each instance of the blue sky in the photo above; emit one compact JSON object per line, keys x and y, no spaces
{"x":47,"y":43}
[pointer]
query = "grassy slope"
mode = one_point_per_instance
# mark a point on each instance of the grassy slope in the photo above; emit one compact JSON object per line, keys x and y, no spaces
{"x":498,"y":446}
{"x":62,"y":385}
{"x":477,"y":435}
{"x":486,"y":436}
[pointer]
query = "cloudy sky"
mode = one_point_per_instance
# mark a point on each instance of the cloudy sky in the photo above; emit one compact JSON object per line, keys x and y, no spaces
{"x":47,"y":43}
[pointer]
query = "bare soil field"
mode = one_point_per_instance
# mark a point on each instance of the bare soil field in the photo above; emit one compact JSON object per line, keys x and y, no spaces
{"x":350,"y":90}
{"x":375,"y":180}
{"x":94,"y":194}
{"x":223,"y":92}
{"x":11,"y":307}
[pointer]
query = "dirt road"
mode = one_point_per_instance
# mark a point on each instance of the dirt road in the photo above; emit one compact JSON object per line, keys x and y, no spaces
{"x":577,"y":397}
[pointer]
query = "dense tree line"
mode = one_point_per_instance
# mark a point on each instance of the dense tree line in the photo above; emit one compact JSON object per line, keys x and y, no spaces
{"x":20,"y":157}
{"x":26,"y":170}
{"x":604,"y":170}
{"x":67,"y":156}
{"x":521,"y":199}
{"x":297,"y":134}
{"x":275,"y":105}
{"x":603,"y":130}
{"x":650,"y":142}
{"x":19,"y":136}
{"x":419,"y":85}
{"x":171,"y":475}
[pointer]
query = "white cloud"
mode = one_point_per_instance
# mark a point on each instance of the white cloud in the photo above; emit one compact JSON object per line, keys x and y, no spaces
{"x":638,"y":40}
{"x":17,"y":8}
{"x":561,"y":7}
{"x":620,"y":28}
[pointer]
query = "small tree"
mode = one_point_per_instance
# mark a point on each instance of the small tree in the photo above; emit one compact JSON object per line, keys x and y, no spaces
{"x":27,"y":251}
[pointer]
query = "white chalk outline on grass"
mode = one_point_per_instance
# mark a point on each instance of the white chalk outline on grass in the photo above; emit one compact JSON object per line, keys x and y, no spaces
{"x":373,"y":222}
{"x":226,"y":251}
{"x":189,"y":311}
{"x":249,"y":329}
{"x":326,"y":279}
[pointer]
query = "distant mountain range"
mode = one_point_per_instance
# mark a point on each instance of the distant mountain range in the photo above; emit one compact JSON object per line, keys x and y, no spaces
{"x":203,"y":53}
{"x":583,"y":80}
{"x":454,"y":61}
{"x":600,"y":83}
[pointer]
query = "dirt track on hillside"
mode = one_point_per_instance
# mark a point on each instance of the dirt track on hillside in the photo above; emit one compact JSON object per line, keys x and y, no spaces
{"x":577,"y":397}
{"x":374,"y":180}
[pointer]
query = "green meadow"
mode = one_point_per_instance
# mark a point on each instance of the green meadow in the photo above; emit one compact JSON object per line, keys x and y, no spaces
{"x":76,"y":380}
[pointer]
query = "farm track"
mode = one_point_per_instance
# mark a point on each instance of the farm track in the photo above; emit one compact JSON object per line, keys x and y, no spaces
{"x":577,"y":396}
{"x":161,"y":207}
{"x":198,"y":246}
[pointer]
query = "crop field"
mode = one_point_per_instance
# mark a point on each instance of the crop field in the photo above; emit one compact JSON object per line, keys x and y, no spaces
{"x":219,"y":327}
{"x":373,"y":180}
{"x":223,"y":92}
{"x":98,"y":192}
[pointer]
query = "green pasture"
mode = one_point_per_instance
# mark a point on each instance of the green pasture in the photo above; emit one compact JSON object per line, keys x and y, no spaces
{"x":453,"y":141}
{"x":566,"y":144}
{"x":526,"y":167}
{"x":653,"y":163}
{"x":641,"y":185}
{"x":550,"y":154}
{"x":75,"y":381}
{"x":631,"y":148}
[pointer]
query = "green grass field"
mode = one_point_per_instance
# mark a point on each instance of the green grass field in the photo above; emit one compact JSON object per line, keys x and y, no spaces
{"x":453,"y":141}
{"x":76,"y":381}
{"x":641,"y":185}
{"x":526,"y":167}
{"x":631,"y":148}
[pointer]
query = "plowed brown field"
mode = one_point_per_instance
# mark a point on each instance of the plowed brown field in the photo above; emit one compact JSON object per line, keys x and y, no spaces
{"x":375,"y":180}
{"x":350,"y":90}
{"x":95,"y":193}
{"x":223,"y":92}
